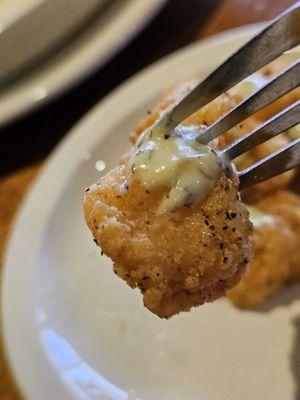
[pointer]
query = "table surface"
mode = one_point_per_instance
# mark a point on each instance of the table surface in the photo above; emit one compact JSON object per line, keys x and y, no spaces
{"x":25,"y":144}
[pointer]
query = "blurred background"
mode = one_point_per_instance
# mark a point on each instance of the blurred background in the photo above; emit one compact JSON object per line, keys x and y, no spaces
{"x":58,"y":58}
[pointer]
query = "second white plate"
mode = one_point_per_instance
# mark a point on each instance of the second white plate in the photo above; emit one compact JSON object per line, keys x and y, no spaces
{"x":90,"y":50}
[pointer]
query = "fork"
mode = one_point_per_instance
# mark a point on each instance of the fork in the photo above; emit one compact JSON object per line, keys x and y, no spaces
{"x":279,"y":36}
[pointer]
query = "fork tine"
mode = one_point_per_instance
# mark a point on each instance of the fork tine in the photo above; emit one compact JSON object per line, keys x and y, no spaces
{"x":282,"y":121}
{"x":275,"y":88}
{"x":282,"y":160}
{"x":280,"y":35}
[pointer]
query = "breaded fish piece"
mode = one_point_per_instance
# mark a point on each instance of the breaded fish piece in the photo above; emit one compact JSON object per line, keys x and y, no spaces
{"x":277,"y":251}
{"x":270,"y":267}
{"x":180,"y":259}
{"x":286,"y":205}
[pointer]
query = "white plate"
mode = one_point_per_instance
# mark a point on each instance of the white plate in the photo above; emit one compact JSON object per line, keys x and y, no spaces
{"x":92,"y":49}
{"x":74,"y":331}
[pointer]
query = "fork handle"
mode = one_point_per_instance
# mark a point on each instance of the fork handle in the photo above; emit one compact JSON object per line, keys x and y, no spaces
{"x":280,"y":35}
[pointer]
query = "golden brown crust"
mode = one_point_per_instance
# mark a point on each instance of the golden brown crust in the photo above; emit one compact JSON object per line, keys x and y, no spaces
{"x":286,"y":204}
{"x":179,"y":260}
{"x":277,"y":251}
{"x":270,"y":267}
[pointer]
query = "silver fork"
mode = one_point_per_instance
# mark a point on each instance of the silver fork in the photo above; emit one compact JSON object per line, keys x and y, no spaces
{"x":280,"y":35}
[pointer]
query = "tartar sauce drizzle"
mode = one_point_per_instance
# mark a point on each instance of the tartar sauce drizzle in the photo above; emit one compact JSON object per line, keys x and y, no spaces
{"x":176,"y":161}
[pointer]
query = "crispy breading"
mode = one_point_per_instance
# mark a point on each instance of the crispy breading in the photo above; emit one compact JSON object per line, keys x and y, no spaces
{"x":179,"y":260}
{"x":277,"y":251}
{"x":286,"y":204}
{"x":270,"y":267}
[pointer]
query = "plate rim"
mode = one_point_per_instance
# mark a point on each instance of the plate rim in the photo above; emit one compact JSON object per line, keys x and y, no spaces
{"x":54,"y":160}
{"x":43,"y":91}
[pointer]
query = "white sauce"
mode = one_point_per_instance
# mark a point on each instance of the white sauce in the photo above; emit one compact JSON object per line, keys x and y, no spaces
{"x":176,"y":161}
{"x":258,"y":217}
